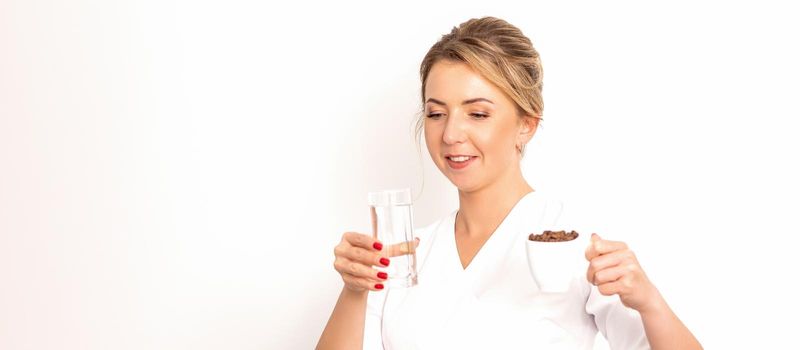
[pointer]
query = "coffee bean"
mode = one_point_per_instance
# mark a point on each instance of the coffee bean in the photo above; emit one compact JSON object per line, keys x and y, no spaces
{"x":553,"y":236}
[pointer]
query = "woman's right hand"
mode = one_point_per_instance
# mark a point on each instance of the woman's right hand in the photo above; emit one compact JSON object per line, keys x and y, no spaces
{"x":356,"y":255}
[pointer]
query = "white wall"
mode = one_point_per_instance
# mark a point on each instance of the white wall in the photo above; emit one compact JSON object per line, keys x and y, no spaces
{"x":175,"y":175}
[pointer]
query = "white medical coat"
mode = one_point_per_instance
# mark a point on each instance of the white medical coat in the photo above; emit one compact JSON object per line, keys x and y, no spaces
{"x":494,"y":303}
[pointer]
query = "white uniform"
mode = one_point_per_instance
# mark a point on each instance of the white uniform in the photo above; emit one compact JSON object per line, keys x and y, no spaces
{"x":494,"y":303}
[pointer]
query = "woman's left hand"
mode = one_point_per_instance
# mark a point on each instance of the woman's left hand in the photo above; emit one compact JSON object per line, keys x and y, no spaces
{"x":614,"y":269}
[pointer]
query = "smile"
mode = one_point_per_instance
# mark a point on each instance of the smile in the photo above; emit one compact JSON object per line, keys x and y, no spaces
{"x":458,"y":163}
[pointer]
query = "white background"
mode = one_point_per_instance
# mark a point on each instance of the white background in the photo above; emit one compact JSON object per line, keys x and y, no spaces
{"x":175,"y":174}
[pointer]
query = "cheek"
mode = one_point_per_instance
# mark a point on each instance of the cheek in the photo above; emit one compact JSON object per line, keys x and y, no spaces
{"x":431,"y":142}
{"x":427,"y":134}
{"x":497,"y":145}
{"x":492,"y":141}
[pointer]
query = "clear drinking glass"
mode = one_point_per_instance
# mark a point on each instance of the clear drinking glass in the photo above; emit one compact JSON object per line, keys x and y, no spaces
{"x":393,"y":225}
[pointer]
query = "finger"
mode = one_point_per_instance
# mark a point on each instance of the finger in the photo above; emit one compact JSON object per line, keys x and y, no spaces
{"x":621,"y":286}
{"x":601,"y":246}
{"x":362,"y":282}
{"x":364,"y":241}
{"x":608,"y":261}
{"x":610,"y":274}
{"x":359,"y":270}
{"x":402,"y":248}
{"x":364,"y":256}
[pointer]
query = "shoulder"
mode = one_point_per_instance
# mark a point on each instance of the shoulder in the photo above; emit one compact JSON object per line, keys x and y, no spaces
{"x":548,"y":206}
{"x":563,"y":210}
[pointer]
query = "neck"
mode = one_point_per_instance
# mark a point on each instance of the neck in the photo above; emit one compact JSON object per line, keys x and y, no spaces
{"x":481,"y":211}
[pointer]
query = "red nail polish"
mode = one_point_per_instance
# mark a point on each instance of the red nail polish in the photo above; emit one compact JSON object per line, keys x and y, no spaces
{"x":385,"y":262}
{"x":378,"y":286}
{"x":383,"y":275}
{"x":377,"y":245}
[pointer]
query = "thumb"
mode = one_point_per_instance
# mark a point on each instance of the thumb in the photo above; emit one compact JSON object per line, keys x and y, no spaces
{"x":401,"y":248}
{"x":591,"y":251}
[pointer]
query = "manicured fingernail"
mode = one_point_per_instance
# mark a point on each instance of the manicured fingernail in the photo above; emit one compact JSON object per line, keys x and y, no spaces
{"x":384,"y":262}
{"x":377,"y":245}
{"x":383,"y":275}
{"x":378,"y":286}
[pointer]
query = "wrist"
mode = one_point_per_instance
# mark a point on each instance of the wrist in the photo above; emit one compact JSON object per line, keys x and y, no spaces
{"x":656,"y":305}
{"x":355,"y":293}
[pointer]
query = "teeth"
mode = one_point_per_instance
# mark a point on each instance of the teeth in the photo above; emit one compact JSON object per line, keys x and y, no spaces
{"x":459,"y":159}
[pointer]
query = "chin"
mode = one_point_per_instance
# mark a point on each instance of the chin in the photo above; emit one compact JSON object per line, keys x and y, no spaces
{"x":463,"y":182}
{"x":465,"y":186}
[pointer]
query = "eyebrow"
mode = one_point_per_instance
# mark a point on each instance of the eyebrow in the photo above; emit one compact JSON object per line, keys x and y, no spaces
{"x":466,"y":102}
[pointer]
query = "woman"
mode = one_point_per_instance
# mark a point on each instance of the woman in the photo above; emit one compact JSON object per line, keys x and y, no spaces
{"x":481,"y":90}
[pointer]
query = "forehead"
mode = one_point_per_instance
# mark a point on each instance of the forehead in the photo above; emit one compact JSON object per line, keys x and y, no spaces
{"x":456,"y":81}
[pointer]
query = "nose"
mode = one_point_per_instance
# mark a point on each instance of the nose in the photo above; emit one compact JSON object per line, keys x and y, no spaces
{"x":454,"y":130}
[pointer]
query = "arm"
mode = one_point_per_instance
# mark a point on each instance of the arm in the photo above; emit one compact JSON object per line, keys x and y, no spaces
{"x":663,"y":328}
{"x":355,"y":256}
{"x":614,"y":269}
{"x":345,"y":328}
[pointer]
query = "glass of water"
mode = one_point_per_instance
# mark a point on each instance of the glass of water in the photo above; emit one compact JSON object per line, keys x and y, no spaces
{"x":393,"y":225}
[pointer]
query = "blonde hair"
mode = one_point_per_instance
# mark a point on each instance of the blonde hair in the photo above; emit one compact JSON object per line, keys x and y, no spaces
{"x":500,"y":53}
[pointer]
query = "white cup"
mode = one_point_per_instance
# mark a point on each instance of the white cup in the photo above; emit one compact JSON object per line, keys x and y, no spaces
{"x":554,"y":265}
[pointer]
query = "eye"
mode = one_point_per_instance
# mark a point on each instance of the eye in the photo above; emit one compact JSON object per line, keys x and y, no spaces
{"x":435,"y":115}
{"x":480,"y":115}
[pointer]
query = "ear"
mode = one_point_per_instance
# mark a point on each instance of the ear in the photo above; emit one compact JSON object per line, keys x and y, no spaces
{"x":527,"y":128}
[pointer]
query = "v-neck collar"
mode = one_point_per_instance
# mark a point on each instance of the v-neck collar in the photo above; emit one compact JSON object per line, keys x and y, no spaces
{"x":497,"y":240}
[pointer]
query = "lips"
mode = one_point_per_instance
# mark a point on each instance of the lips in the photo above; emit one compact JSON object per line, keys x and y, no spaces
{"x":459,"y":165}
